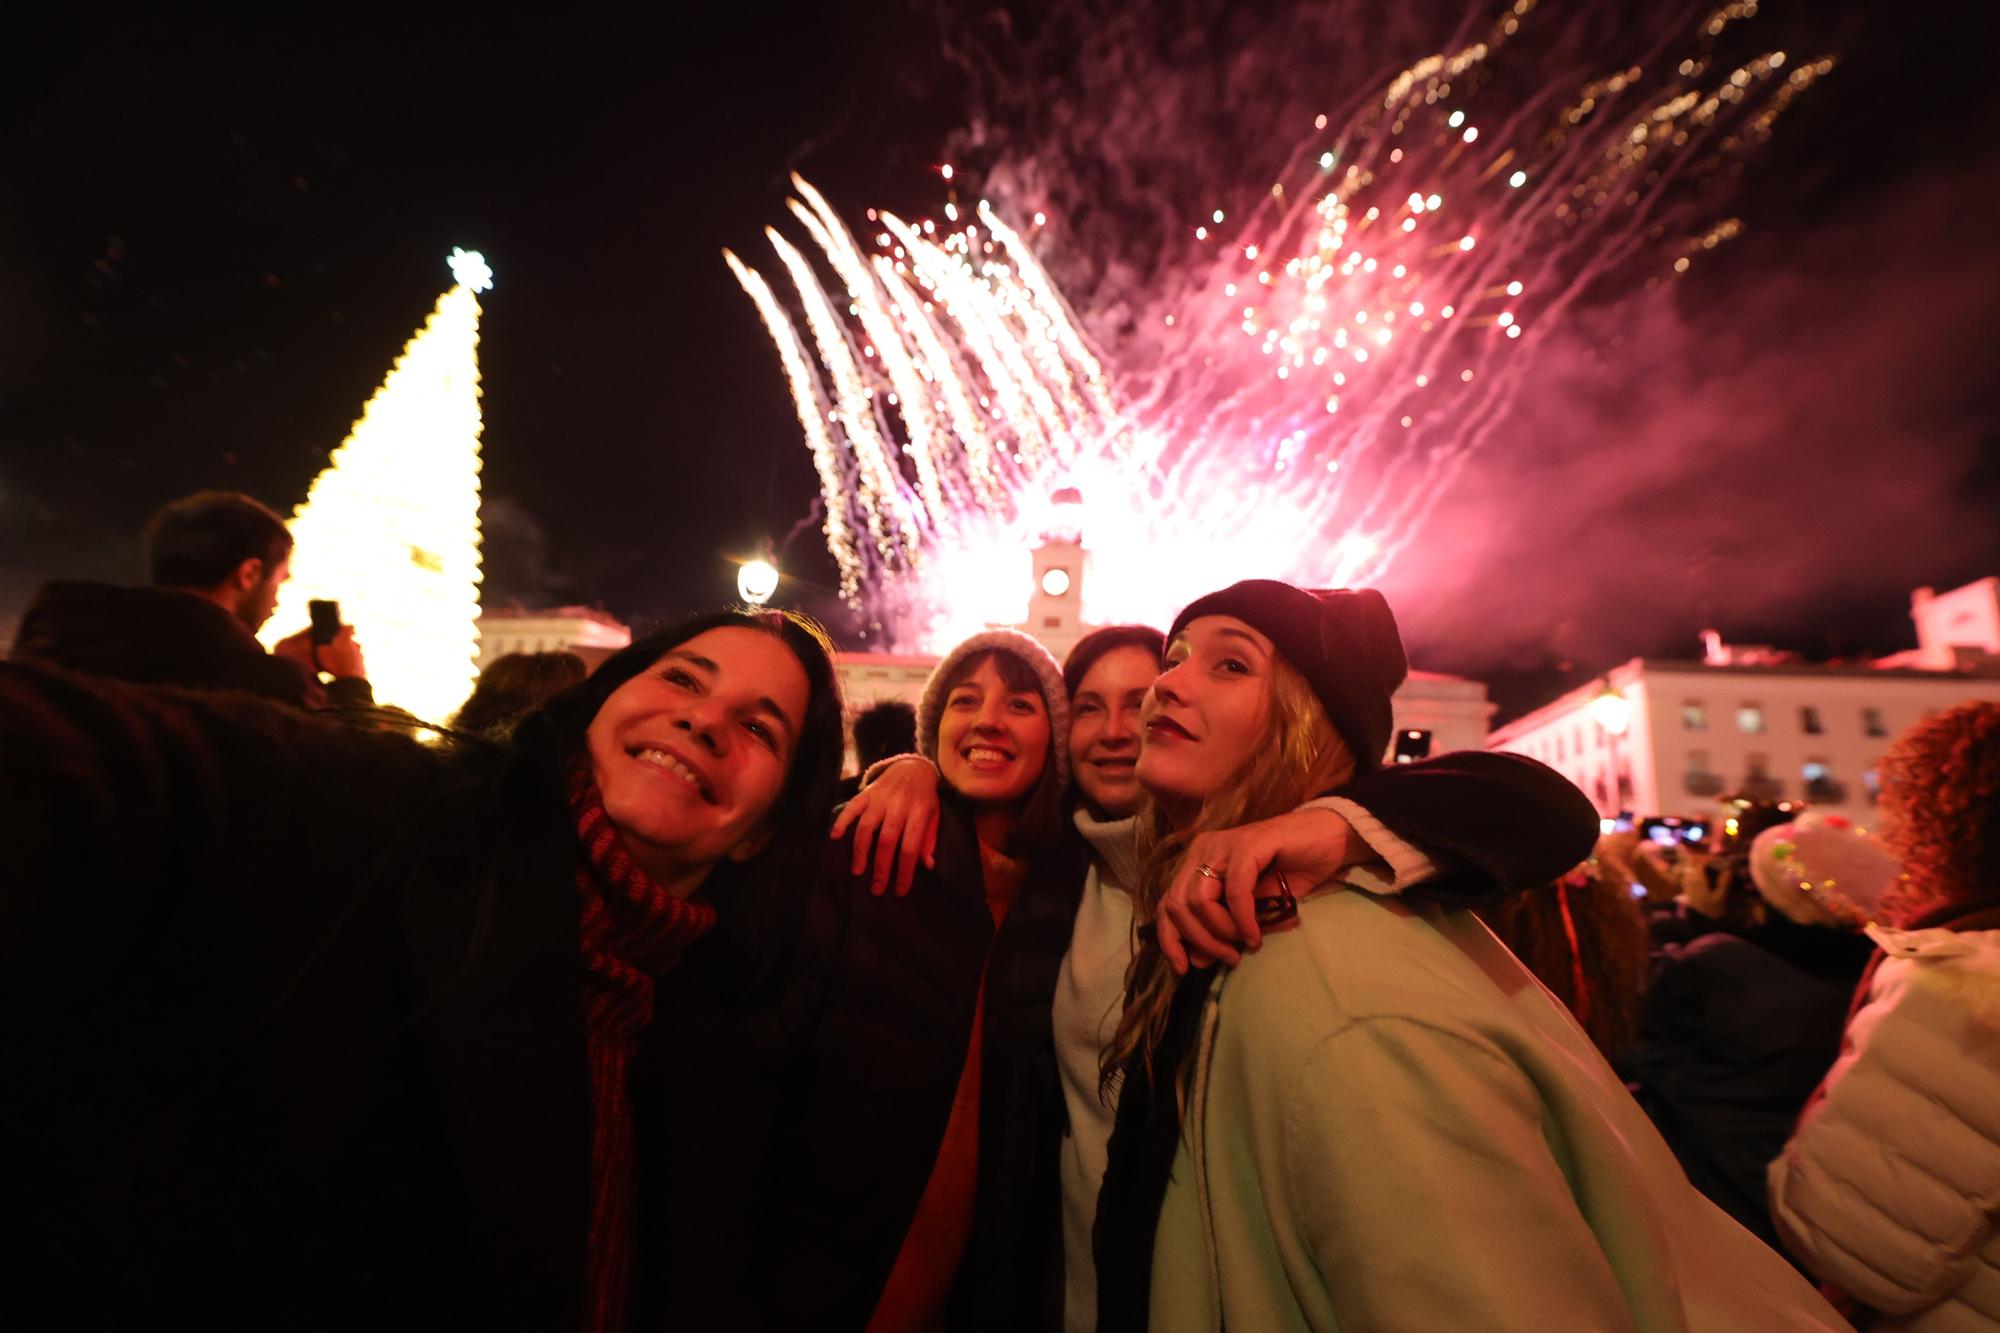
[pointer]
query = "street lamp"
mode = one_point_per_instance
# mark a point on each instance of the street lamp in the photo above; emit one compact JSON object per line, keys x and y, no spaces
{"x":756,"y":580}
{"x":1611,"y":711}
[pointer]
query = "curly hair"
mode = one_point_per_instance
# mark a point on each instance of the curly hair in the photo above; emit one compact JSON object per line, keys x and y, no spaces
{"x":1941,"y":793}
{"x":1585,"y":939}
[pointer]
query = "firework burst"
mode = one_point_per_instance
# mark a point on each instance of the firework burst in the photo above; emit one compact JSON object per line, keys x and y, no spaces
{"x":1316,"y":378}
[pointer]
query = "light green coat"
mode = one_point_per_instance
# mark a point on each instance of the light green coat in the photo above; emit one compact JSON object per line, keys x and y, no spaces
{"x":1393,"y":1126}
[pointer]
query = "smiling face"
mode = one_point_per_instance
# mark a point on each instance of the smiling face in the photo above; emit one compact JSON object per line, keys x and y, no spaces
{"x":1104,"y":728}
{"x":691,"y":754}
{"x":993,"y":736}
{"x":1206,"y":714}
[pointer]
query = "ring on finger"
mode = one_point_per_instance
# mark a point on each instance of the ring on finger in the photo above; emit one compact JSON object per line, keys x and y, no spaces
{"x":1207,"y":871}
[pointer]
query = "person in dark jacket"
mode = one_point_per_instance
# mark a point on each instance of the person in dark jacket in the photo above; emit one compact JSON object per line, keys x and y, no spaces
{"x":216,"y":560}
{"x":910,"y":978}
{"x":320,"y":1028}
{"x":1741,"y":1022}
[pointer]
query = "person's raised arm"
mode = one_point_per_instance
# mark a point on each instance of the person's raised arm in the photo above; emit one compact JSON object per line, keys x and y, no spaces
{"x":119,"y":802}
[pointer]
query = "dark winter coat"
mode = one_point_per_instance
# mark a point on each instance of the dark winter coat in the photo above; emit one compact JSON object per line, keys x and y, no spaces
{"x":1735,"y":1033}
{"x":165,"y":636}
{"x":292,"y":1020}
{"x":880,"y":1066}
{"x":902,"y":982}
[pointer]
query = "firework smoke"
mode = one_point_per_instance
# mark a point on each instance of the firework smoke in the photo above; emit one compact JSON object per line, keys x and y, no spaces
{"x":1304,"y":377}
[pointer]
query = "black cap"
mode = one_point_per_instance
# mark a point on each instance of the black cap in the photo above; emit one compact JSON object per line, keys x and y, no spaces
{"x":1344,"y":642}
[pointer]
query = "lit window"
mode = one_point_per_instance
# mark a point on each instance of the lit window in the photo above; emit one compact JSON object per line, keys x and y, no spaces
{"x":1809,"y":721}
{"x":1694,"y":715}
{"x":1872,"y":723}
{"x":1750,"y":719}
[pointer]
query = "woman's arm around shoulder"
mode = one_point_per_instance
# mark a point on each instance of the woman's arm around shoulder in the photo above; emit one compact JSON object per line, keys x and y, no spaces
{"x":1497,"y":823}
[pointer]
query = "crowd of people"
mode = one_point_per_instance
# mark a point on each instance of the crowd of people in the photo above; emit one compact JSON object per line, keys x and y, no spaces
{"x":1129,"y":991}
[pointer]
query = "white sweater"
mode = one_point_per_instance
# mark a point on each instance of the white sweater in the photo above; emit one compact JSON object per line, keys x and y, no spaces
{"x":1090,"y":991}
{"x":1890,"y":1189}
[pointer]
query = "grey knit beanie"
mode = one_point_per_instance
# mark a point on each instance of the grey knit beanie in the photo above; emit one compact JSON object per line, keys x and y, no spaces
{"x":1015,"y":644}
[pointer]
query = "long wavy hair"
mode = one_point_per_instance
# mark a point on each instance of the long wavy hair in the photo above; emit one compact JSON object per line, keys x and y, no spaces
{"x":1941,"y":791}
{"x":1298,"y":755}
{"x":1583,"y":937}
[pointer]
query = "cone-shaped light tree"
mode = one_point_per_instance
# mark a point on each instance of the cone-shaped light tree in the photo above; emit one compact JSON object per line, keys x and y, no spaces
{"x":390,"y":529}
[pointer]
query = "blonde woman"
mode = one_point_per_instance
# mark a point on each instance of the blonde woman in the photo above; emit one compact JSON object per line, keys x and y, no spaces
{"x":1379,"y":1120}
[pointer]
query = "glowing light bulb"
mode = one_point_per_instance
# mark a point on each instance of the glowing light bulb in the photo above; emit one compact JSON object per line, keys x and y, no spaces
{"x":757,"y":580}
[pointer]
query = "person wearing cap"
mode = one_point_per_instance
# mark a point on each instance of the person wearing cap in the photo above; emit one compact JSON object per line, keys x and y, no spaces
{"x":924,"y":997}
{"x":1890,"y":1188}
{"x":1464,"y":827}
{"x":1379,"y":1119}
{"x":1053,"y":967}
{"x":1740,"y":1023}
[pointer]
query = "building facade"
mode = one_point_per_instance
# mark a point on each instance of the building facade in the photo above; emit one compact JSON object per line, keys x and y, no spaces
{"x":591,"y":634}
{"x":1669,"y":738}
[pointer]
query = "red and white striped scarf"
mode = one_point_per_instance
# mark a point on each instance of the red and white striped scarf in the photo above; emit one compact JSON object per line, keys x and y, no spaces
{"x":632,"y":931}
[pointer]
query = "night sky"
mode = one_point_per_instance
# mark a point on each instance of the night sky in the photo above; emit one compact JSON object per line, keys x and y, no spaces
{"x":215,"y":237}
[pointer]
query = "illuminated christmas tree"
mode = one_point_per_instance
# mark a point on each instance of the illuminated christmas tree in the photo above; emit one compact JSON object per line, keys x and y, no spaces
{"x":390,"y":529}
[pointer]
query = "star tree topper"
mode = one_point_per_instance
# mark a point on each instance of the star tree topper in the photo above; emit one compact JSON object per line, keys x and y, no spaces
{"x":471,"y":270}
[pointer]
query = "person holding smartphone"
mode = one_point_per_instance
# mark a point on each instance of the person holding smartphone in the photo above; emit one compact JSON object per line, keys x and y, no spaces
{"x":215,"y":561}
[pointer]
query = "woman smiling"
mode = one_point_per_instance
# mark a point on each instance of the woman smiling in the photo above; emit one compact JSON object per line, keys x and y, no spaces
{"x":355,"y":1043}
{"x":927,"y":995}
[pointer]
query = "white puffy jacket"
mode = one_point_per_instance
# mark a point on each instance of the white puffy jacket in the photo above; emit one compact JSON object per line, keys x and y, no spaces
{"x":1890,"y":1189}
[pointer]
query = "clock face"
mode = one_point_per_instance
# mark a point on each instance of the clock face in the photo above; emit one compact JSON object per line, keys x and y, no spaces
{"x":1055,"y":582}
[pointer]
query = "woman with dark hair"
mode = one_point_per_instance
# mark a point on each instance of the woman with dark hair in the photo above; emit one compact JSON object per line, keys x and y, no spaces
{"x":1890,"y":1189}
{"x":513,"y":683}
{"x":1584,"y":938}
{"x":926,"y":997}
{"x":1379,"y":1120}
{"x":322,"y":1028}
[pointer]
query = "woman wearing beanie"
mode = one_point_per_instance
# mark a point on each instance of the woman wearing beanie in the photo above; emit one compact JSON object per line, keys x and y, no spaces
{"x":1890,"y":1189}
{"x":1460,"y":827}
{"x":1379,"y":1120}
{"x":316,"y":1028}
{"x":926,"y":997}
